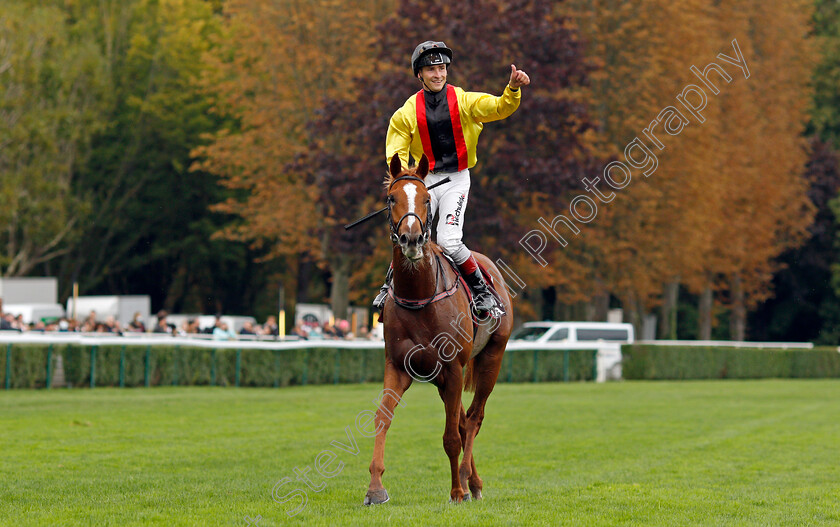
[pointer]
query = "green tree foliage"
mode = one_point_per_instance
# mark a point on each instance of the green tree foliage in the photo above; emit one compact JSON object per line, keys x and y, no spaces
{"x":52,"y":81}
{"x":825,"y":113}
{"x":805,"y":306}
{"x":149,"y":230}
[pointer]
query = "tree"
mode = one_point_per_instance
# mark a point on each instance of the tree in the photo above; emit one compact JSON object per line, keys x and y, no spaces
{"x":825,"y":113}
{"x":800,"y":309}
{"x":52,"y":82}
{"x":277,"y":61}
{"x":148,"y":229}
{"x":728,"y":198}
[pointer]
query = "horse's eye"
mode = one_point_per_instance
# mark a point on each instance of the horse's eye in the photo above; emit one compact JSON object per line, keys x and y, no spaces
{"x":390,"y":200}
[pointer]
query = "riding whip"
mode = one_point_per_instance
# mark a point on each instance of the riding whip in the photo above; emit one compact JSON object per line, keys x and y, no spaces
{"x":383,"y":209}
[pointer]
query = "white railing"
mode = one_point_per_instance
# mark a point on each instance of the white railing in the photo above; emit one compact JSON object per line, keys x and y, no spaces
{"x":151,"y":339}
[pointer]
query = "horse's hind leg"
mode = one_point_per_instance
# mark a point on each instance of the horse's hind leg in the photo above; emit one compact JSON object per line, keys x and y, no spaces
{"x":486,"y":367}
{"x":474,"y":480}
{"x":396,"y":383}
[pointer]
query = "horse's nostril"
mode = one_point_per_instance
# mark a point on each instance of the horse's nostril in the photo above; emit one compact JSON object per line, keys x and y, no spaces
{"x":403,"y":239}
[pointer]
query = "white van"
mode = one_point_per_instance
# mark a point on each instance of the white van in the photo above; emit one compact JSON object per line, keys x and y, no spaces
{"x":570,"y":332}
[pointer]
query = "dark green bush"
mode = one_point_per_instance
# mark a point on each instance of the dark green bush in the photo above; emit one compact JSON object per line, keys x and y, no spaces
{"x":178,"y":365}
{"x":655,"y":362}
{"x":518,"y":365}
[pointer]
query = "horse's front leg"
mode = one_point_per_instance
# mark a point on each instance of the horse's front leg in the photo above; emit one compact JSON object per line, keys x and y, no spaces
{"x":396,"y":383}
{"x":450,"y":392}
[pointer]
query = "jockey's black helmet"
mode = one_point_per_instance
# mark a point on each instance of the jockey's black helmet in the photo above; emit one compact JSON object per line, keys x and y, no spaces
{"x":430,"y":53}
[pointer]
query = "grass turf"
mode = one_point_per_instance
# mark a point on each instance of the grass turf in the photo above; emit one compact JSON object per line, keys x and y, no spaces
{"x":633,"y":453}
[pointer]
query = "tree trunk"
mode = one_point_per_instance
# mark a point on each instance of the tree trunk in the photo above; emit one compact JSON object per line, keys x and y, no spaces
{"x":705,"y":314}
{"x":599,"y":305}
{"x":304,"y":276}
{"x":738,"y":315}
{"x":668,"y":313}
{"x":634,"y":313}
{"x":549,"y":302}
{"x":340,"y":290}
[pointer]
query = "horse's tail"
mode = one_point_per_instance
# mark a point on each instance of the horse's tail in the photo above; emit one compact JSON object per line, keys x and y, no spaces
{"x":470,"y":378}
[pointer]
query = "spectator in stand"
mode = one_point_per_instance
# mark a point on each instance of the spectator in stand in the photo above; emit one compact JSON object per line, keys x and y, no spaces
{"x":300,"y":331}
{"x":111,"y":325}
{"x":192,"y":326}
{"x":343,"y":328}
{"x":329,"y":331}
{"x":221,"y":332}
{"x":162,"y":325}
{"x":313,"y":330}
{"x":136,"y":325}
{"x":211,"y":330}
{"x":364,"y":332}
{"x":248,"y":329}
{"x":189,"y":326}
{"x":63,"y":325}
{"x":270,"y":327}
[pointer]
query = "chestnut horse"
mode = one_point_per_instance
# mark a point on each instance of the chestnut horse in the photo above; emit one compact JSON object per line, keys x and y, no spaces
{"x":430,"y":334}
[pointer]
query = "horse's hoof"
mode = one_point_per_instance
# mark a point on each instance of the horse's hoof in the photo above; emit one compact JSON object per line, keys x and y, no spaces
{"x":476,"y":494}
{"x":376,"y":497}
{"x":465,"y":498}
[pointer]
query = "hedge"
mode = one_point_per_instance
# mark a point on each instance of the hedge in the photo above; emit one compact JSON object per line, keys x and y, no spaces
{"x":653,"y":362}
{"x":182,"y":365}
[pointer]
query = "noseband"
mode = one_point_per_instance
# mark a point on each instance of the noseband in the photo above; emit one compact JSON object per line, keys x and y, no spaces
{"x":395,"y":238}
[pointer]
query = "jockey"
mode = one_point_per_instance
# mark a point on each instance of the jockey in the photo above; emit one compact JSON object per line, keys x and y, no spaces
{"x":444,"y":122}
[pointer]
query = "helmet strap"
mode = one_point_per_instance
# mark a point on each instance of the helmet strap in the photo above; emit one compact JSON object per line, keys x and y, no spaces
{"x":423,"y":82}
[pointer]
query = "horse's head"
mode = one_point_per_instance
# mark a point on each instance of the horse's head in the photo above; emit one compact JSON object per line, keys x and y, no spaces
{"x":408,"y":207}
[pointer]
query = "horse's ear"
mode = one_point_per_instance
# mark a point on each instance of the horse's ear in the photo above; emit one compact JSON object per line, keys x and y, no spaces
{"x":396,"y":165}
{"x":422,"y":167}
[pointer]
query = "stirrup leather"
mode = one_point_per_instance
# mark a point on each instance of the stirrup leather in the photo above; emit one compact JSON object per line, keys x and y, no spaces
{"x":379,"y":301}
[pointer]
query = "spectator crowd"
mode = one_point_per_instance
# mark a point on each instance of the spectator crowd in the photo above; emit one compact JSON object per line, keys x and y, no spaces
{"x":187,"y":326}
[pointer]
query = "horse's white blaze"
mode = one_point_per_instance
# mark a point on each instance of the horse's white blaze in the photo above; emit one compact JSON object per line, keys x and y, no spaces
{"x":411,"y":194}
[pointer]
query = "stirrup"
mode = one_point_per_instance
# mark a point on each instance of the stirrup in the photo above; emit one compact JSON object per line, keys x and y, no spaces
{"x":481,"y":289}
{"x":381,"y":297}
{"x":496,"y":310}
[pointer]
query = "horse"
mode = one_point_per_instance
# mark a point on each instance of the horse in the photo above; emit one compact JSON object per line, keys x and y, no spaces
{"x":431,"y":334}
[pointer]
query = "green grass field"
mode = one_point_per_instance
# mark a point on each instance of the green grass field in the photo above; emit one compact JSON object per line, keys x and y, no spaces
{"x":633,"y":453}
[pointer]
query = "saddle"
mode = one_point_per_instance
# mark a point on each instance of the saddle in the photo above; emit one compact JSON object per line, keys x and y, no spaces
{"x":497,"y":313}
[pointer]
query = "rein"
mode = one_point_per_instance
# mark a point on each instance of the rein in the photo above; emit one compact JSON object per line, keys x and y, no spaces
{"x":420,"y":304}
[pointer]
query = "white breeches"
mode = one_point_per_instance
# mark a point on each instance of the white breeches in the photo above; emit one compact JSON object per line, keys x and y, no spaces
{"x":449,"y":204}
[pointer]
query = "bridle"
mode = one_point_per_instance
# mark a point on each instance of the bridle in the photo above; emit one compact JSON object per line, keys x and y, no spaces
{"x":427,"y":225}
{"x":439,"y":274}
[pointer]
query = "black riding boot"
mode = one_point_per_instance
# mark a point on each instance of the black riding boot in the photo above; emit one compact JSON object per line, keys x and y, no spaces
{"x":483,"y":299}
{"x":379,"y":301}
